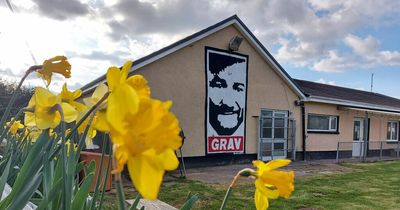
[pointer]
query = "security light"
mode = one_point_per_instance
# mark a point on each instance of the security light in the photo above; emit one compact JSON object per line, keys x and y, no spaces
{"x":235,"y":42}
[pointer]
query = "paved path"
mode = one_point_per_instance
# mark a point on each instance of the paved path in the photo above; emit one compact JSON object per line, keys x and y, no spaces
{"x":225,"y":174}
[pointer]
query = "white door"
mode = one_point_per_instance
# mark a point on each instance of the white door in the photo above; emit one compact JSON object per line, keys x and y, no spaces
{"x":358,"y":137}
{"x":273,"y":135}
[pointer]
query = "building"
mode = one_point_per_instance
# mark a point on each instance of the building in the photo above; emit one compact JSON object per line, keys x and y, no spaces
{"x":236,"y":103}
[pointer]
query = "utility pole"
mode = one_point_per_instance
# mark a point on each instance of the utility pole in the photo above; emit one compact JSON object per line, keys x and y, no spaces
{"x":372,"y":81}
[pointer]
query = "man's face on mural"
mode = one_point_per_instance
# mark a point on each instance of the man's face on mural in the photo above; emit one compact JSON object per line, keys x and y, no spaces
{"x":227,"y":90}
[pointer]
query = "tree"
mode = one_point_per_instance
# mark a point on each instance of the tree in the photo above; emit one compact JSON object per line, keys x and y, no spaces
{"x":7,"y":90}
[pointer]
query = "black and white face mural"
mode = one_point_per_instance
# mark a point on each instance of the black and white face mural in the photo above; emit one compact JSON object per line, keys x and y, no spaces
{"x":226,"y":100}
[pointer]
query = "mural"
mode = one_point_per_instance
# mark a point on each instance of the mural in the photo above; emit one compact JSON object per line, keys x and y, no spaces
{"x":226,"y":78}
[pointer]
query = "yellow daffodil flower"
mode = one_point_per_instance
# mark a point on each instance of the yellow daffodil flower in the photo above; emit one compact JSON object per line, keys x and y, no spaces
{"x":70,"y":97}
{"x":148,"y":145}
{"x":143,"y":131}
{"x":42,"y":110}
{"x":13,"y":128}
{"x":57,"y":64}
{"x":123,"y":98}
{"x":270,"y":183}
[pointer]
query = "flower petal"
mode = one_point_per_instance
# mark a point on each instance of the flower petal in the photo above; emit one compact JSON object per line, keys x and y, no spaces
{"x":169,"y":160}
{"x":113,"y":77}
{"x":260,"y":200}
{"x":70,"y":113}
{"x":45,"y":119}
{"x":274,"y":164}
{"x":29,"y":119}
{"x":139,"y":83}
{"x":44,"y":97}
{"x":122,"y":101}
{"x":267,"y":190}
{"x":99,"y":92}
{"x":146,"y":173}
{"x":282,"y":180}
{"x":125,"y":71}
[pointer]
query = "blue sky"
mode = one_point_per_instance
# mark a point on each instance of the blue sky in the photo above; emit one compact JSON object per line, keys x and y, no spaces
{"x":339,"y":42}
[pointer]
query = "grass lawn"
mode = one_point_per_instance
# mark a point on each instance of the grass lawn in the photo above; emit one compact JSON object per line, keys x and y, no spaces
{"x":369,"y":186}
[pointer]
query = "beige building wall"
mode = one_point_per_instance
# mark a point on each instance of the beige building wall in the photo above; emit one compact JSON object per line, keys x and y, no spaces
{"x":328,"y":142}
{"x":180,"y":77}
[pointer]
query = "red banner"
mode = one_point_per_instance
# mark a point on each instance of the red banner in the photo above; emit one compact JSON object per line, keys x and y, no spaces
{"x":217,"y":144}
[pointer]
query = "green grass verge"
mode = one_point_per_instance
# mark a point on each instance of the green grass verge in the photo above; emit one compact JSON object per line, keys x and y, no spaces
{"x":369,"y":186}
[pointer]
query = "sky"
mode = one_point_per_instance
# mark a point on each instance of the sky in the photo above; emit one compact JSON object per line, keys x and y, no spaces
{"x":341,"y":42}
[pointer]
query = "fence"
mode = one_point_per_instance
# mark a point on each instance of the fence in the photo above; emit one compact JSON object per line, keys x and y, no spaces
{"x":372,"y":150}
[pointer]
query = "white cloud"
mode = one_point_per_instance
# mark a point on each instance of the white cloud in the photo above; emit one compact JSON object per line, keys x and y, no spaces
{"x":365,"y":53}
{"x":95,"y":34}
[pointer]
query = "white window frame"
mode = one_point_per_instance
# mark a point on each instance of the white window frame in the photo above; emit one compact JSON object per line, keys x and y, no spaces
{"x":397,"y":129}
{"x":330,"y":129}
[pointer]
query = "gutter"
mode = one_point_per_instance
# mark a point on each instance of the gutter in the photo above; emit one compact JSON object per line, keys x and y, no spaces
{"x":303,"y":125}
{"x":352,"y":104}
{"x":303,"y":130}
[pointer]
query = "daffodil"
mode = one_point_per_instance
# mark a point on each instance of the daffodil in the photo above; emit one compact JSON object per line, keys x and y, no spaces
{"x":271,"y":183}
{"x":148,"y":145}
{"x":14,"y":125}
{"x":143,"y":131}
{"x":57,"y":64}
{"x":43,"y":112}
{"x":70,"y":97}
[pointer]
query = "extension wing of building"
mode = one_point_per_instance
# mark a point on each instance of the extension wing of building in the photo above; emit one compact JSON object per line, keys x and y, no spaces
{"x":236,"y":103}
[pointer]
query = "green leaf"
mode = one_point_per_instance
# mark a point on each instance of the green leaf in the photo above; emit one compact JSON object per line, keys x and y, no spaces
{"x":189,"y":203}
{"x":4,"y":176}
{"x":135,"y":202}
{"x":51,"y":196}
{"x":22,"y":197}
{"x":31,"y":165}
{"x":80,"y":197}
{"x":99,"y":172}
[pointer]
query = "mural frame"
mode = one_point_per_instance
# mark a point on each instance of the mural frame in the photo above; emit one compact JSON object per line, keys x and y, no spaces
{"x":206,"y":98}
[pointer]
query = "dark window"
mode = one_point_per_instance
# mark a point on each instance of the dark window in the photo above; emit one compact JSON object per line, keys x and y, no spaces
{"x":326,"y":123}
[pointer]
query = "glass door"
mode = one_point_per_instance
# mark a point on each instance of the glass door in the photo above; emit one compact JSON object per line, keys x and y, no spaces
{"x":358,"y":137}
{"x":273,"y":135}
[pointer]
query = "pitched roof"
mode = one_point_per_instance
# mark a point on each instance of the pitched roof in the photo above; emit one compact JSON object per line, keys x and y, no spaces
{"x":233,"y":20}
{"x":341,"y":95}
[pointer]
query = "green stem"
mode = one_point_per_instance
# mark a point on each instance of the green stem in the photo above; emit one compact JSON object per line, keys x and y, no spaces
{"x":228,"y":192}
{"x":14,"y":96}
{"x":99,"y":172}
{"x":120,"y":188}
{"x":105,"y":178}
{"x":120,"y":191}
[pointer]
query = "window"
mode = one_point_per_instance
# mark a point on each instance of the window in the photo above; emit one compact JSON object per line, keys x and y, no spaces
{"x":274,"y":124}
{"x":322,"y":123}
{"x":392,"y":129}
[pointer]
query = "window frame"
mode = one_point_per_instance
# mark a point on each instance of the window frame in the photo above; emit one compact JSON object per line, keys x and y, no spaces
{"x":397,"y":131}
{"x":330,"y":129}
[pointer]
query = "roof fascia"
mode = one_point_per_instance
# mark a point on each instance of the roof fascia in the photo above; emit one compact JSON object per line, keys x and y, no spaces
{"x":348,"y":103}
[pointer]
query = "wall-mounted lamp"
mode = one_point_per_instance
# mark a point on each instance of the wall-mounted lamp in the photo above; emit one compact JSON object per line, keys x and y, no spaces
{"x":235,"y":42}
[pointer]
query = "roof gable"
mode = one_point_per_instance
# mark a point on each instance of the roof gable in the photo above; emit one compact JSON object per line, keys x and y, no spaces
{"x":233,"y":20}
